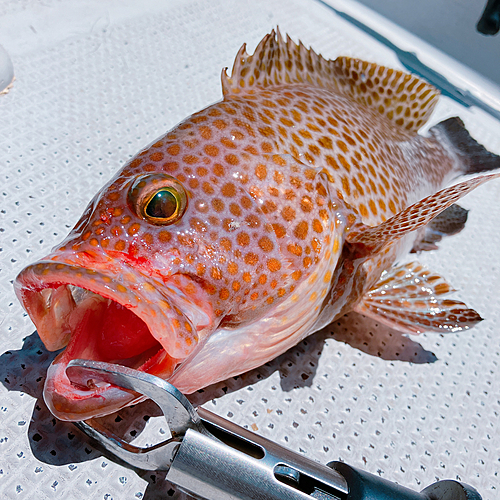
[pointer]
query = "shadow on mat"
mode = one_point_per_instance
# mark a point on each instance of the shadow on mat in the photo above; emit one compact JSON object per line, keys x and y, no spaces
{"x":55,"y":442}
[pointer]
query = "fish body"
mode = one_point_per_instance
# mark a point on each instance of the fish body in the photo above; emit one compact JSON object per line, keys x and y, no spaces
{"x":252,"y":224}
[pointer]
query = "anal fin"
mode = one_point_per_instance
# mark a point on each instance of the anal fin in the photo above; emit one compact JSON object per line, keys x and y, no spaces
{"x":410,"y":299}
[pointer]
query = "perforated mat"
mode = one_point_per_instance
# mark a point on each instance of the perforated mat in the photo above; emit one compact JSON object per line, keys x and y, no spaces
{"x":95,"y":82}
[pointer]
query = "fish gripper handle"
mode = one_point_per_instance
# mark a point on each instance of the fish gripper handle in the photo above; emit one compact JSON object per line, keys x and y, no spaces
{"x":231,"y":463}
{"x":365,"y":486}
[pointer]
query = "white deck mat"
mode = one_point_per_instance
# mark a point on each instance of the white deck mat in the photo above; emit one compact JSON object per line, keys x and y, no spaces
{"x":97,"y":81}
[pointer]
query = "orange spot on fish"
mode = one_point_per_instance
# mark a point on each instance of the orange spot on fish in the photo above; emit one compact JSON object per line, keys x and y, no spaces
{"x":211,"y":150}
{"x":216,"y":273}
{"x":301,"y":230}
{"x":156,"y":156}
{"x":134,"y":229}
{"x":173,"y":150}
{"x":273,"y":265}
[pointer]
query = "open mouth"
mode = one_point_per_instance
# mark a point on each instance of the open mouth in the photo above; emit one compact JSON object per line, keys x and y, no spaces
{"x":120,"y":318}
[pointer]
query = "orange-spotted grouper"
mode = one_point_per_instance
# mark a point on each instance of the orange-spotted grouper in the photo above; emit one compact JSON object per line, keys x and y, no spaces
{"x":254,"y":223}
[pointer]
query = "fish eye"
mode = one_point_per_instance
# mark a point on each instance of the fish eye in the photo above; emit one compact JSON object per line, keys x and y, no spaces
{"x":158,"y":198}
{"x":162,"y":205}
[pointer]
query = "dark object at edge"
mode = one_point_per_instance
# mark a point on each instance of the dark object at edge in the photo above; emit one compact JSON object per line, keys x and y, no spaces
{"x":489,"y":24}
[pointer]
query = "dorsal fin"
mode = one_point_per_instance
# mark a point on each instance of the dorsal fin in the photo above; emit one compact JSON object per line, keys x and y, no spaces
{"x":373,"y":239}
{"x":403,"y":98}
{"x":276,"y":62}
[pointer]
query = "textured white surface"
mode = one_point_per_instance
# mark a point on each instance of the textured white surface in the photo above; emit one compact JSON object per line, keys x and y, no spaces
{"x":85,"y":99}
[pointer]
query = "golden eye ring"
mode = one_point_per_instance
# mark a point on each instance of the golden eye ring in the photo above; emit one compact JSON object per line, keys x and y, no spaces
{"x":159,"y":199}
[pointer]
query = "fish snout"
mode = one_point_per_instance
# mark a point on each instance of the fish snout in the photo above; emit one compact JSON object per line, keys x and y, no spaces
{"x":115,"y":315}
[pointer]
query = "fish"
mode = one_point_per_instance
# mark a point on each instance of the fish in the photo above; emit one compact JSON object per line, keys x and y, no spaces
{"x":256,"y":222}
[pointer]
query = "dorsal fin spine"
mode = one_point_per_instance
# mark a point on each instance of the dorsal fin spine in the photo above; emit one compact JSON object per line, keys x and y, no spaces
{"x":277,"y":61}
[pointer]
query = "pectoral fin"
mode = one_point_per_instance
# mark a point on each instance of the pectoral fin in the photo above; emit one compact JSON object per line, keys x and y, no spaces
{"x":410,"y":299}
{"x":372,"y":240}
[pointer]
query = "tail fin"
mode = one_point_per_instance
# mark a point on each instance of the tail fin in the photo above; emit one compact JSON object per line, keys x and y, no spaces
{"x":475,"y":157}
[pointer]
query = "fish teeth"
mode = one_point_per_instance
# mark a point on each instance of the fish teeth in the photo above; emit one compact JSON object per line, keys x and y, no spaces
{"x":47,"y":295}
{"x":79,"y":294}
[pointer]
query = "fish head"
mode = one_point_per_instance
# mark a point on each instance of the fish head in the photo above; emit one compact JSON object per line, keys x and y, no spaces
{"x":168,"y":252}
{"x":118,"y":290}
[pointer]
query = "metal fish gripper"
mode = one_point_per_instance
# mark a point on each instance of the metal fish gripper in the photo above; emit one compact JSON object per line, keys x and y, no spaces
{"x":211,"y":458}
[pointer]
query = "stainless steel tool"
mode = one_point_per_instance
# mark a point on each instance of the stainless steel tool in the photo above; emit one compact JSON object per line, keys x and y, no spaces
{"x":211,"y":458}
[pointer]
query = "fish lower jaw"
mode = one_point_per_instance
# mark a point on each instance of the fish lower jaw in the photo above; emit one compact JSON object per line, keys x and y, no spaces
{"x":90,"y":326}
{"x":70,"y":401}
{"x":73,"y":402}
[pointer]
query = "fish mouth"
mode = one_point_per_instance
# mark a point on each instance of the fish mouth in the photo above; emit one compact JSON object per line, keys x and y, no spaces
{"x":117,"y":316}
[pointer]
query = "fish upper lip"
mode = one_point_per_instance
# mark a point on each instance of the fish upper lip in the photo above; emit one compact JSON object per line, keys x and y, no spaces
{"x":51,"y":312}
{"x":125,"y":285}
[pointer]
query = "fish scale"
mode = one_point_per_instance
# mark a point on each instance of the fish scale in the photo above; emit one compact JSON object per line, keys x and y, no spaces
{"x":275,"y":211}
